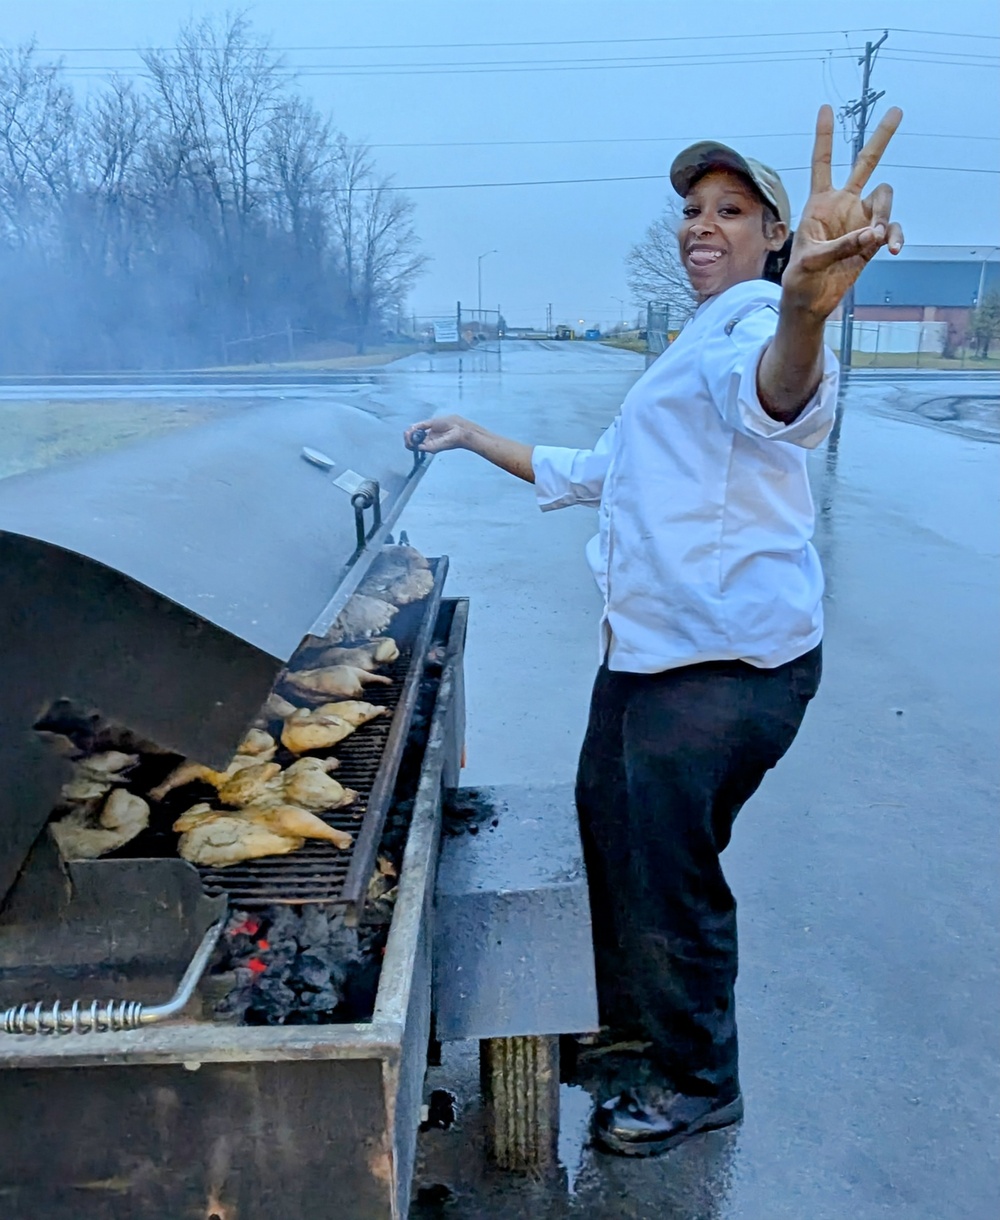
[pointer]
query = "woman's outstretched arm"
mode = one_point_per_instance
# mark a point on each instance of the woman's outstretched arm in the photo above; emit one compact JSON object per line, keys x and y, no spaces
{"x":454,"y":432}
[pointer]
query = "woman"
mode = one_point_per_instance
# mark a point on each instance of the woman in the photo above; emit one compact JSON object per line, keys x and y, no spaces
{"x":712,"y":627}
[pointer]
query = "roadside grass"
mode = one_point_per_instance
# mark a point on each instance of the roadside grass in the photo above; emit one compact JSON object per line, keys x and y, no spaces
{"x":40,"y":432}
{"x":374,"y":358}
{"x":874,"y":360}
{"x":626,"y":344}
{"x":921,"y":360}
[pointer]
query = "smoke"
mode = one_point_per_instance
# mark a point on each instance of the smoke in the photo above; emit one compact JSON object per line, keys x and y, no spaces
{"x":205,"y":213}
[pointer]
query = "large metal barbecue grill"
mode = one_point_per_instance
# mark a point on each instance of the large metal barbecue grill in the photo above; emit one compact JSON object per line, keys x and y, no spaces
{"x":166,"y":585}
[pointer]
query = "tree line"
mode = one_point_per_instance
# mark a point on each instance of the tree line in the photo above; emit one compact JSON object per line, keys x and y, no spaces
{"x":173,"y":220}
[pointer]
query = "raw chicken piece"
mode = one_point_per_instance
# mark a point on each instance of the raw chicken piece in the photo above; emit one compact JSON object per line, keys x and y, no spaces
{"x":82,"y":789}
{"x":93,"y":776}
{"x":275,"y":708}
{"x":327,"y":725}
{"x":197,"y":813}
{"x":311,"y":788}
{"x":124,"y":815}
{"x":400,"y":575}
{"x":379,"y":651}
{"x":189,"y":772}
{"x":343,"y":681}
{"x":229,"y":839}
{"x":259,"y":744}
{"x":248,"y":784}
{"x":306,"y":730}
{"x":125,"y":812}
{"x":362,"y":617}
{"x":299,"y":765}
{"x":355,"y":711}
{"x":110,"y":765}
{"x":222,"y":839}
{"x":294,"y":821}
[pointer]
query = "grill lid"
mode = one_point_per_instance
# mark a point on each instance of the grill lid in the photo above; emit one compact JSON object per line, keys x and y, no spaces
{"x":166,"y":582}
{"x":247,"y":521}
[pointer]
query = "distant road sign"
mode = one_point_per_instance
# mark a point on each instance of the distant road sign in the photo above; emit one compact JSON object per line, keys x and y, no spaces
{"x":446,"y":332}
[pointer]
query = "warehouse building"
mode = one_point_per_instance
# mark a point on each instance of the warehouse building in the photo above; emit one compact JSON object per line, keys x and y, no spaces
{"x":929,"y":284}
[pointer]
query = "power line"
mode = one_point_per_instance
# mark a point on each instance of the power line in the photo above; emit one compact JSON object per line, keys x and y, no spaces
{"x":895,"y":29}
{"x":466,"y":46}
{"x":756,"y":135}
{"x":762,"y":59}
{"x":785,"y":169}
{"x":557,"y":42}
{"x":956,"y":63}
{"x":934,"y":51}
{"x":493,"y":67}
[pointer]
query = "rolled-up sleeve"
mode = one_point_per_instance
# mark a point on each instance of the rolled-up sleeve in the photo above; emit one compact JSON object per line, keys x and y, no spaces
{"x":730,"y":362}
{"x":572,"y":476}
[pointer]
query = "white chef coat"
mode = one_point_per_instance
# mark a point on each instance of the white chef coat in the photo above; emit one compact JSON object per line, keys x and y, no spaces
{"x":706,"y":516}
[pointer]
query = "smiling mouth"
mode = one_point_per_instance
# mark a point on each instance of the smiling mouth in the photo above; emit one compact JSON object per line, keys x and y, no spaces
{"x":703,"y":257}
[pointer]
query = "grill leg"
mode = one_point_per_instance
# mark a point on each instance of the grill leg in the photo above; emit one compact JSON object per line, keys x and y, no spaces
{"x":520,"y":1081}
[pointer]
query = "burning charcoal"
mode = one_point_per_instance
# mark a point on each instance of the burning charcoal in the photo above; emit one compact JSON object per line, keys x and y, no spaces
{"x":314,"y":928}
{"x":283,"y":925}
{"x":272,"y":1003}
{"x":312,"y":971}
{"x":321,"y":1003}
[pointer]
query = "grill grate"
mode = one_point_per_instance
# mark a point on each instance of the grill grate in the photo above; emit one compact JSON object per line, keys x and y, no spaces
{"x":369,"y":760}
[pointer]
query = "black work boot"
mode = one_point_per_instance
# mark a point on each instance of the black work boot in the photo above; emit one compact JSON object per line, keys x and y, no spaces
{"x":645,"y":1122}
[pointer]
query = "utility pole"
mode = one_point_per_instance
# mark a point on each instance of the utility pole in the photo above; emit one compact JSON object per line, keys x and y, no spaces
{"x":860,"y":111}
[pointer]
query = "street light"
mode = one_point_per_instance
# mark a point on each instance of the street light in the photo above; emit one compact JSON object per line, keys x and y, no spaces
{"x":479,"y":269}
{"x":621,"y":310}
{"x":982,"y":275}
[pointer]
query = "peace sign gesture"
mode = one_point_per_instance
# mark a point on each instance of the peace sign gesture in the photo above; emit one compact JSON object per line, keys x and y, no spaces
{"x":839,"y":232}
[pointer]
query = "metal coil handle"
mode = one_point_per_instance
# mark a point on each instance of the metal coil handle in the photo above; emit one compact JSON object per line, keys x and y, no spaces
{"x":111,"y":1016}
{"x":368,"y":495}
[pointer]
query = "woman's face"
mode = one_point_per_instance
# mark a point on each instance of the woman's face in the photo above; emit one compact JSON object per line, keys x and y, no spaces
{"x":726,"y":233}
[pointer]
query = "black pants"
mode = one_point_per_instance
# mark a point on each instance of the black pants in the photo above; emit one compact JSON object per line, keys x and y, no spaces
{"x":668,"y":761}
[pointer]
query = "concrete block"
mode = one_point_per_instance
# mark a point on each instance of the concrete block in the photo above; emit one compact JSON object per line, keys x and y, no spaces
{"x":513,"y":951}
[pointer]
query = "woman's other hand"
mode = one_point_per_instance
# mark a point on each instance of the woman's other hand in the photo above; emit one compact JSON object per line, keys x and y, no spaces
{"x":839,"y":232}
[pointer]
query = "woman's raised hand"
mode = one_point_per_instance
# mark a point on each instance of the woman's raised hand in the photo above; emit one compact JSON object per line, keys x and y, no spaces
{"x":840,"y":232}
{"x":444,"y":432}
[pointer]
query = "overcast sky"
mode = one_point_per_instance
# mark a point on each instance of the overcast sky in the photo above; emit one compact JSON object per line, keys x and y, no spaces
{"x":748,"y":72}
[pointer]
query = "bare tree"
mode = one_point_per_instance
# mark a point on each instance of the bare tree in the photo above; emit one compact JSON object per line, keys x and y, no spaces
{"x":379,"y":244}
{"x":115,"y":132}
{"x":654,"y":268}
{"x":216,"y":94}
{"x":37,"y":147}
{"x":298,"y":166}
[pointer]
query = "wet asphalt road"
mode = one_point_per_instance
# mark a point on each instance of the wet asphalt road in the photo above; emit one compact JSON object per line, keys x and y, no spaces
{"x":866,"y":866}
